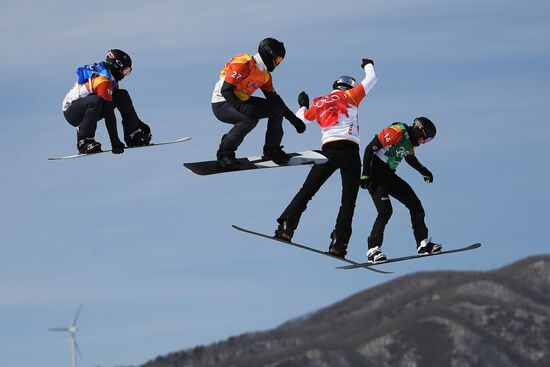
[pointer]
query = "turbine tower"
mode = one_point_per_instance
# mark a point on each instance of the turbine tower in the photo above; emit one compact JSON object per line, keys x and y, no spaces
{"x":72,"y":331}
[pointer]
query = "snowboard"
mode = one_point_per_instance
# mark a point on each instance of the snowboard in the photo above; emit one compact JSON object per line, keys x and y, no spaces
{"x":368,"y":265}
{"x":353,"y":263}
{"x":205,"y":168}
{"x":181,"y":140}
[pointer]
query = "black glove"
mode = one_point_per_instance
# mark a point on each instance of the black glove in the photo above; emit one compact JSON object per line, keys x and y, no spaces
{"x":365,"y":182}
{"x":366,"y":62}
{"x":428,"y":177}
{"x":117,"y":147}
{"x":303,"y":99}
{"x":297,"y":123}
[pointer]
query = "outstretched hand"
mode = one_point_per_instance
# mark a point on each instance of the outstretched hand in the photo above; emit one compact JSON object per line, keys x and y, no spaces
{"x":365,"y":62}
{"x":303,"y":99}
{"x":297,"y":123}
{"x":428,"y":177}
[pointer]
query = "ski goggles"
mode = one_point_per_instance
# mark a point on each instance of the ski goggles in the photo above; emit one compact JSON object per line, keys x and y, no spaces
{"x":427,"y":138}
{"x":278,"y":60}
{"x":125,"y":70}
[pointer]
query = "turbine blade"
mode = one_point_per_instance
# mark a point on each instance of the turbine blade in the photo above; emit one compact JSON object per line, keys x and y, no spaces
{"x":58,"y":329}
{"x":77,"y":314}
{"x":77,"y":348}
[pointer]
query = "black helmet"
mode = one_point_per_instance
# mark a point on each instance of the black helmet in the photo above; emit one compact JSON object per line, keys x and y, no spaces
{"x":272,"y":52}
{"x":344,"y":83}
{"x":425,"y":128}
{"x":119,"y":63}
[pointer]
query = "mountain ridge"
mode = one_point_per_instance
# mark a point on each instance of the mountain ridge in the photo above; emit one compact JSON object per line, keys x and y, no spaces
{"x":442,"y":318}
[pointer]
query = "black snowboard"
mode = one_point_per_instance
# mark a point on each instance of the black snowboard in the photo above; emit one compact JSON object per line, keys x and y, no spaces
{"x":368,"y":265}
{"x":204,"y":168}
{"x":305,"y":248}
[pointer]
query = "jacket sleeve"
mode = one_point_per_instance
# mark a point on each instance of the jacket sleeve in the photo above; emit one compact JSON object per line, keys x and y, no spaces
{"x":356,"y":94}
{"x":110,"y":121}
{"x":228,"y":92}
{"x":276,"y":98}
{"x":415,"y":163}
{"x":370,"y":78}
{"x":370,"y":149}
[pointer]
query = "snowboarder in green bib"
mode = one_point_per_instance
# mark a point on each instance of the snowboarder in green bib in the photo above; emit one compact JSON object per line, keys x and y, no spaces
{"x":382,"y":156}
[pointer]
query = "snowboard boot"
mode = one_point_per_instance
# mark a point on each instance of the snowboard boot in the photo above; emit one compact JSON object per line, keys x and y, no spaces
{"x":137,"y":139}
{"x":88,"y":146}
{"x":338,"y":247}
{"x":375,"y":255}
{"x":146,"y":132}
{"x":276,"y":154}
{"x":427,"y":247}
{"x":227,"y":160}
{"x":286,"y":228}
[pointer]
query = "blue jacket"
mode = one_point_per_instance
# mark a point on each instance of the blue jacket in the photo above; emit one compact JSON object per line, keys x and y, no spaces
{"x":88,"y":71}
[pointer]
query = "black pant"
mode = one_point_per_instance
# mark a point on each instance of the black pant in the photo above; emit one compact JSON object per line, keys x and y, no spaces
{"x":342,"y":155}
{"x":386,"y":183}
{"x":254,"y":109}
{"x":84,"y":113}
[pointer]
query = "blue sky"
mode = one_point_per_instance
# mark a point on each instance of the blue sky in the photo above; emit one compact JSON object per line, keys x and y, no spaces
{"x":148,"y":247}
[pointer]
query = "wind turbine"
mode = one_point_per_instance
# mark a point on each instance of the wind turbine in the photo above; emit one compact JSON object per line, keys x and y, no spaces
{"x":72,"y":331}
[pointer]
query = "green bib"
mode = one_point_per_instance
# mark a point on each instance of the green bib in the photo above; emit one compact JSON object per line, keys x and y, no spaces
{"x":394,"y":154}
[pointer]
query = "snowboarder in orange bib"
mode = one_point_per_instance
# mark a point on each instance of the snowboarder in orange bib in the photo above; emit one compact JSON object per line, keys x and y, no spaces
{"x":233,"y":103}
